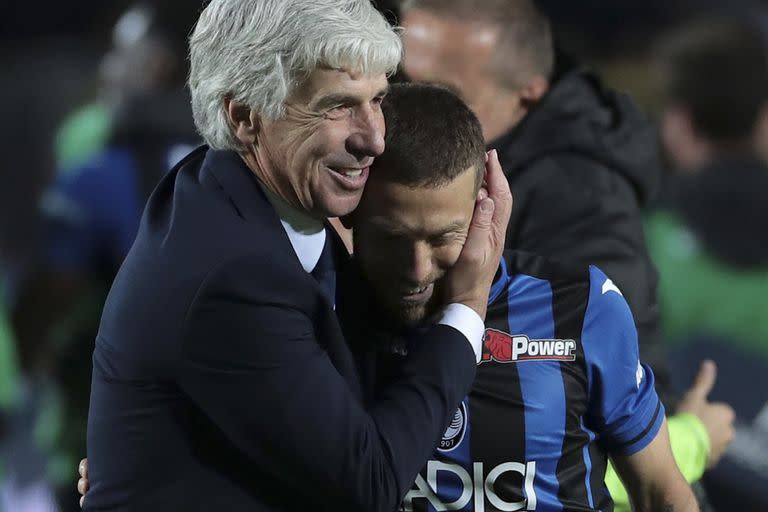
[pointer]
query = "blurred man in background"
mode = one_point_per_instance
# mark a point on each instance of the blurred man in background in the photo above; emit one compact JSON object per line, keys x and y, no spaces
{"x":581,"y":161}
{"x":708,"y":236}
{"x":90,"y":215}
{"x":714,"y":80}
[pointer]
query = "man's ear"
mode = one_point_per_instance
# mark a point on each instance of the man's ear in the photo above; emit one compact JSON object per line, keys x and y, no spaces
{"x":532,"y":93}
{"x":244,"y":121}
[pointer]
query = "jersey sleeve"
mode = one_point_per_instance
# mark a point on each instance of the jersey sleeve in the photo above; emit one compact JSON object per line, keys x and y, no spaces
{"x":624,"y":408}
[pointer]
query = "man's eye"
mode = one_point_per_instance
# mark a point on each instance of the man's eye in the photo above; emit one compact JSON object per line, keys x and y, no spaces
{"x":338,"y":112}
{"x":441,"y":241}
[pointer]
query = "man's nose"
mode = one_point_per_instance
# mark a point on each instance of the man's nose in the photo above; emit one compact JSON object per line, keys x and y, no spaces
{"x":420,"y":264}
{"x":367,"y":137}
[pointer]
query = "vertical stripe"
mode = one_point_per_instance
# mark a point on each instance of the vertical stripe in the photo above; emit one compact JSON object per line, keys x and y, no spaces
{"x":497,"y":419}
{"x":600,"y":495}
{"x":530,"y":313}
{"x":588,"y":464}
{"x":569,"y":304}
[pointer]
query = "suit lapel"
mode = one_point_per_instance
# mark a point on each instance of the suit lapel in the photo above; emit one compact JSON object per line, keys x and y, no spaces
{"x":252,"y":204}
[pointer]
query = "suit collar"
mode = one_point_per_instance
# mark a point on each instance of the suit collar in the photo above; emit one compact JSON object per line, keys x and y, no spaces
{"x":307,"y":234}
{"x":253,"y":203}
{"x":239,"y":183}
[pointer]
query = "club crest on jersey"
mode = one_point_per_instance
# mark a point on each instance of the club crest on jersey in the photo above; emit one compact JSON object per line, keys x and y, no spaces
{"x":501,"y":347}
{"x":454,"y":434}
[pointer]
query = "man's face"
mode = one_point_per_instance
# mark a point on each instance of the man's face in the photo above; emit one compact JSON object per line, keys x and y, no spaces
{"x":450,"y":51}
{"x":318,"y":156}
{"x":407,"y":238}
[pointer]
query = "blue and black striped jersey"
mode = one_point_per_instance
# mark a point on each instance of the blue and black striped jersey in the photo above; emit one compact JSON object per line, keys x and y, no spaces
{"x":559,"y":386}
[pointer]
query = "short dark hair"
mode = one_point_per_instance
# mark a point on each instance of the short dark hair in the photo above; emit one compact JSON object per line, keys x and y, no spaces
{"x":526,"y":34}
{"x":432,"y":137}
{"x":718,"y":70}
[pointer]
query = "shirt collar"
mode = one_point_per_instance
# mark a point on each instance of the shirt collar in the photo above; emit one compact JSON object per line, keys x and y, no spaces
{"x":306,"y":233}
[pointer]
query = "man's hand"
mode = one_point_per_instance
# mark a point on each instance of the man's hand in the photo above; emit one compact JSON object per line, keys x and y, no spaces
{"x":717,"y":417}
{"x":82,"y":484}
{"x":470,"y":280}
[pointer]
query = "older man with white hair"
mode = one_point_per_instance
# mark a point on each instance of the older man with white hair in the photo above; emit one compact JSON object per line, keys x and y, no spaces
{"x":220,"y":363}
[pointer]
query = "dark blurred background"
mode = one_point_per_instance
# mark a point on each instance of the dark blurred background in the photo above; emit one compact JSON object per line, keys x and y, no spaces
{"x":96,"y":85}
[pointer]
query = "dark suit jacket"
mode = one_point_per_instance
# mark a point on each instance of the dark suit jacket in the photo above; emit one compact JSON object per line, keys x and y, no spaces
{"x":222,"y":380}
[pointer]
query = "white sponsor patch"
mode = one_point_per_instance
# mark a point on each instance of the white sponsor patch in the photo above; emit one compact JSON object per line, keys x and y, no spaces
{"x":524,"y":349}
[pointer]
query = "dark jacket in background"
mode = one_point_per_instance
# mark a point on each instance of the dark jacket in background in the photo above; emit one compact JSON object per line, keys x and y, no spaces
{"x":581,"y":166}
{"x":724,"y":205}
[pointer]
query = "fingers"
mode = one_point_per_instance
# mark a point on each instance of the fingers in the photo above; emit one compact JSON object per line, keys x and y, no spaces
{"x":497,"y":184}
{"x":82,"y":483}
{"x":498,"y":190}
{"x":705,"y":379}
{"x":483,"y":213}
{"x":726,"y":412}
{"x":82,"y":486}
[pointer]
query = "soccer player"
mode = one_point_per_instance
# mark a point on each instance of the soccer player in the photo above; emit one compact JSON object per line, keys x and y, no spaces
{"x":559,"y":387}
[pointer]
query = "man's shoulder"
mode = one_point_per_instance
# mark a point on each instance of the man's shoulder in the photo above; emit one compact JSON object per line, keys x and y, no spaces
{"x":534,"y":279}
{"x":209,"y":208}
{"x":195,"y":242}
{"x":525,"y":264}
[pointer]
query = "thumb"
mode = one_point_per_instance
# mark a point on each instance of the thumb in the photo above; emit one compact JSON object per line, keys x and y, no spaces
{"x":483,"y":214}
{"x":705,"y":379}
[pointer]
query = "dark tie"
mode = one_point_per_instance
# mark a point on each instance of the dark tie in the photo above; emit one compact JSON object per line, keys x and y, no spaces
{"x":325,"y":270}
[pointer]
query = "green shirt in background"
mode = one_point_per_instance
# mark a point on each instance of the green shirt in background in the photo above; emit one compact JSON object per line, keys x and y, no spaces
{"x":698,"y":294}
{"x":82,"y":134}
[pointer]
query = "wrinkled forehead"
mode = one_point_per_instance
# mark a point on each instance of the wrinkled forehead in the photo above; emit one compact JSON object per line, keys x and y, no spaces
{"x":328,"y":81}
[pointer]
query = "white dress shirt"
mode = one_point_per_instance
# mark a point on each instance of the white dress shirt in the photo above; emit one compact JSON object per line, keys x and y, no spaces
{"x":307,"y":236}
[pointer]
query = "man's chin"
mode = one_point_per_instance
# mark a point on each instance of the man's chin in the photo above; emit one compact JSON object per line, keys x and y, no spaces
{"x":412,"y":316}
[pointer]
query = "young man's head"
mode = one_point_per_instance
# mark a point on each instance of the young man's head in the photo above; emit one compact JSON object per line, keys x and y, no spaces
{"x":713,"y":76}
{"x":497,"y":53}
{"x":413,"y":219}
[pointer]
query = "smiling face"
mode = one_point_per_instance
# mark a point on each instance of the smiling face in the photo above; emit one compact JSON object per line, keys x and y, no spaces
{"x":407,"y":237}
{"x":318,"y":156}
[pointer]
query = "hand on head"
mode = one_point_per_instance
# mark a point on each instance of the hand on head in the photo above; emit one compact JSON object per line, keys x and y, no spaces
{"x":469,"y":281}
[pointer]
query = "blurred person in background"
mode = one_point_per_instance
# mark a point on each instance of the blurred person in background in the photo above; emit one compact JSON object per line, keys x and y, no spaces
{"x":713,"y":213}
{"x":581,"y":160}
{"x":708,"y":234}
{"x":90,"y":215}
{"x":141,"y":59}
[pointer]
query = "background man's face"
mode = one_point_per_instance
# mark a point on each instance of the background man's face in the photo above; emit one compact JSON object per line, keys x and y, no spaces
{"x":407,"y":238}
{"x":321,"y":151}
{"x":450,"y":51}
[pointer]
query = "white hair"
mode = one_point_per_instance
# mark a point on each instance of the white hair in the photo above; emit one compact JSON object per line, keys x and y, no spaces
{"x":256,"y":52}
